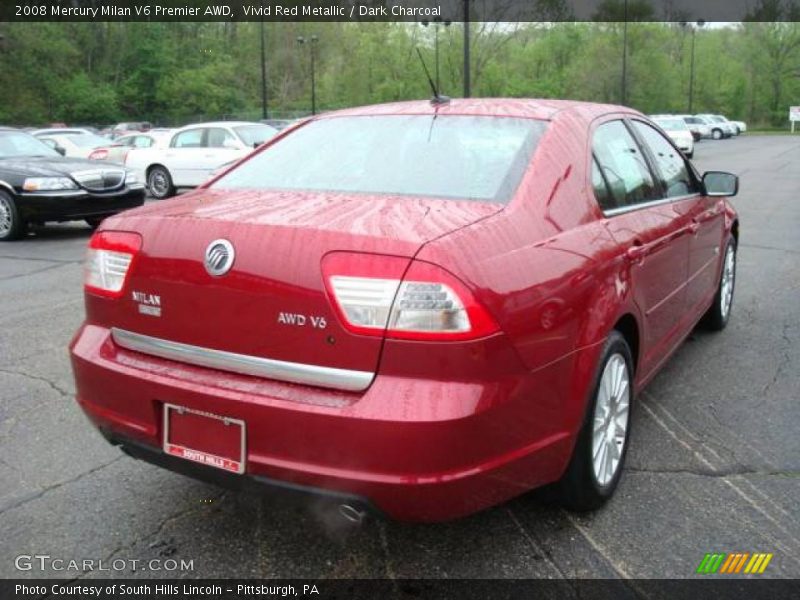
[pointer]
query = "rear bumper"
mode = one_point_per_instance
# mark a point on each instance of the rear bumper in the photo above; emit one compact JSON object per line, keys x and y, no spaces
{"x":70,"y":207}
{"x":249,"y":483}
{"x":415,"y":450}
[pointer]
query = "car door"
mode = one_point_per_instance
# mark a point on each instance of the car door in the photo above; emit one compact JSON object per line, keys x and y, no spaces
{"x":704,"y":217}
{"x":184,"y":156}
{"x":651,"y":234}
{"x":221,"y":147}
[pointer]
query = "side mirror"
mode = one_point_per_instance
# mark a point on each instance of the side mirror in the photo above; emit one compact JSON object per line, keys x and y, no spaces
{"x":61,"y":150}
{"x":719,"y":183}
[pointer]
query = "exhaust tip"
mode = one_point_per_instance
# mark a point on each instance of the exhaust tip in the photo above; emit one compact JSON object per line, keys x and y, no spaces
{"x":352,"y":514}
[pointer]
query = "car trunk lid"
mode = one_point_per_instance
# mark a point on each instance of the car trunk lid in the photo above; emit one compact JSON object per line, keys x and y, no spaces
{"x":272,"y":304}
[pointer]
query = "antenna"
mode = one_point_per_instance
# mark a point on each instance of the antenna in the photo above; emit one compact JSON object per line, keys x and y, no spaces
{"x":437,"y":98}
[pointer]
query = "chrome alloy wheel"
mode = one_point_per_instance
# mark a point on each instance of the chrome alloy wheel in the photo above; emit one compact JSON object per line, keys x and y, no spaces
{"x":158,"y":184}
{"x":6,"y":216}
{"x":728,"y":277}
{"x":611,"y":414}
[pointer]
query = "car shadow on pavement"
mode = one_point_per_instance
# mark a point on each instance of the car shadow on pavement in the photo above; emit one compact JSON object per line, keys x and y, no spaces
{"x":59,"y":231}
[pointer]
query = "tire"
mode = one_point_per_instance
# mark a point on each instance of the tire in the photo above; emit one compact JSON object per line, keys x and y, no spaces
{"x":587,"y":484}
{"x":12,"y":226}
{"x":94,"y":222}
{"x":716,"y":134}
{"x":690,"y":155}
{"x":718,"y":314}
{"x":159,"y":183}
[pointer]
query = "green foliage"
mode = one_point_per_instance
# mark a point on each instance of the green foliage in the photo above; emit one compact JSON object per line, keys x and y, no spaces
{"x":172,"y":73}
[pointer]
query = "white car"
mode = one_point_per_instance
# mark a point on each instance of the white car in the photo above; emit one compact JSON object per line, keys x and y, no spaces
{"x":74,"y":145}
{"x":720,"y":126}
{"x":697,"y":125}
{"x":193,"y":152}
{"x":740,"y":125}
{"x":60,"y":131}
{"x":117,"y":151}
{"x":678,"y":131}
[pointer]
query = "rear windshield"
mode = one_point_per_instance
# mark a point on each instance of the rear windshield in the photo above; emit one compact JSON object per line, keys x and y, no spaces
{"x":460,"y":157}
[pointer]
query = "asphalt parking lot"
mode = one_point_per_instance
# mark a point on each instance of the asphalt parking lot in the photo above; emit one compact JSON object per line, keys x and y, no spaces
{"x":714,"y":464}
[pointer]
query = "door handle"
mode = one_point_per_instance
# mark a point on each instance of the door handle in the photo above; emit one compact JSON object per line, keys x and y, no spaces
{"x":636,"y":252}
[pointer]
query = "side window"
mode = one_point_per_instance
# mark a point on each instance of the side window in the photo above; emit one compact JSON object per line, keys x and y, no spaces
{"x":142,"y":141}
{"x":601,"y":191}
{"x":670,"y":163}
{"x":192,"y":138}
{"x":217,"y":138}
{"x":622,"y":165}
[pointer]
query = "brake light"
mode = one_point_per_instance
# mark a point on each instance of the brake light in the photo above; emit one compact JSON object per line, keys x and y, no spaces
{"x":376,"y":294}
{"x":108,"y":261}
{"x":99,"y":154}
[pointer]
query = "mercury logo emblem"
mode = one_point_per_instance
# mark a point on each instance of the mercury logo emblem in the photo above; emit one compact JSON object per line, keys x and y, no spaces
{"x":219,"y":257}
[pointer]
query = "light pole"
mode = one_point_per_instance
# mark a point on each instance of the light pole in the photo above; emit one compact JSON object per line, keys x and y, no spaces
{"x":467,"y":90}
{"x":624,"y":93}
{"x":437,"y":21}
{"x":264,"y":111}
{"x":312,"y":41}
{"x":700,"y":23}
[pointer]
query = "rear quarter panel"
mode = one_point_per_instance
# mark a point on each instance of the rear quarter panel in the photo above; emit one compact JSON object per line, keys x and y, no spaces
{"x":547,"y":268}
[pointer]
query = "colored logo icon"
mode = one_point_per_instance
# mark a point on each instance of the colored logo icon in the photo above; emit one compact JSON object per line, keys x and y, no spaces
{"x":734,"y":563}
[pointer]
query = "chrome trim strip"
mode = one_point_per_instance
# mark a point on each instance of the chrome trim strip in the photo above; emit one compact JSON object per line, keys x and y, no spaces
{"x":341,"y":379}
{"x":626,"y":209}
{"x":55,"y":194}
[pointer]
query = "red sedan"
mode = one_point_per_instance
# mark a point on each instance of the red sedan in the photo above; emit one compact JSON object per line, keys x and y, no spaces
{"x":418,"y":309}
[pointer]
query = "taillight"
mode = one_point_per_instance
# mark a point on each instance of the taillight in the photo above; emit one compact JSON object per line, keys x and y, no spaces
{"x":108,"y":261}
{"x":99,"y":154}
{"x":375,"y":294}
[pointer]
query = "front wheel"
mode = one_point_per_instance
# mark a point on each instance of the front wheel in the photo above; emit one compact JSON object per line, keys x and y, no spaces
{"x":159,"y":182}
{"x":596,"y":464}
{"x":717,"y":134}
{"x":716,"y":317}
{"x":12,"y":227}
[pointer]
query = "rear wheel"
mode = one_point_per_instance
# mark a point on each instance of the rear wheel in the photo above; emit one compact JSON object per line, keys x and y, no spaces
{"x":159,"y":182}
{"x":12,"y":227}
{"x":716,"y":317}
{"x":599,"y":454}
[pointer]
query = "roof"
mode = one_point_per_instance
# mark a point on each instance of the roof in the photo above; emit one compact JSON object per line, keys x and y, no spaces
{"x":219,"y":124}
{"x":507,"y":107}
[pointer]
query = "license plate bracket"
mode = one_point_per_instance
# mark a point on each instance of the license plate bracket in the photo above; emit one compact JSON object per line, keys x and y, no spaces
{"x":205,"y":438}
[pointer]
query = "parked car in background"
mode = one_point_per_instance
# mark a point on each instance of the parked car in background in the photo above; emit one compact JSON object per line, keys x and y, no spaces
{"x":678,"y":131}
{"x":720,"y":126}
{"x":37,"y":185}
{"x":194,"y":152}
{"x":117,"y":152}
{"x":409,"y":307}
{"x":121,"y":129}
{"x":278,"y":124}
{"x":61,"y":131}
{"x":78,"y":145}
{"x":741,"y":126}
{"x":699,"y":128}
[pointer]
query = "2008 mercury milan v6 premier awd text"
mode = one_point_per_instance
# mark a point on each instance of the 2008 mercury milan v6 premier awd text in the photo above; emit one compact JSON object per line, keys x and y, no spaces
{"x":420,"y":309}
